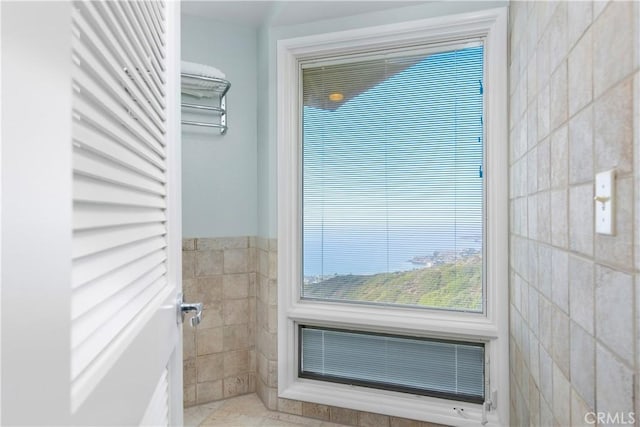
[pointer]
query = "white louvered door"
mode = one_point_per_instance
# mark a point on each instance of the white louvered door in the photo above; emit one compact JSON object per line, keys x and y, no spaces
{"x":125,"y":281}
{"x":90,"y":216}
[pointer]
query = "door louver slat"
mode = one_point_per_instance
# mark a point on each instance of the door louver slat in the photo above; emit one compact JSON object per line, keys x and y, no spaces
{"x":114,"y":77}
{"x":88,"y":216}
{"x":94,"y":141}
{"x":125,"y":37}
{"x":97,"y":167}
{"x":90,"y":87}
{"x":123,"y":12}
{"x":110,"y":284}
{"x":90,"y":349}
{"x":90,"y":268}
{"x":102,"y":37}
{"x":96,"y":191}
{"x":137,"y":23}
{"x":95,"y":241}
{"x":92,"y":114}
{"x":119,"y":271}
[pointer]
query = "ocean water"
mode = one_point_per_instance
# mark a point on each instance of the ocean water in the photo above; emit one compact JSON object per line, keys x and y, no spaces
{"x":370,"y":252}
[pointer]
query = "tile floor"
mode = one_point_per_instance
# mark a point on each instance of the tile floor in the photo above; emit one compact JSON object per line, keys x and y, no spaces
{"x":245,"y":411}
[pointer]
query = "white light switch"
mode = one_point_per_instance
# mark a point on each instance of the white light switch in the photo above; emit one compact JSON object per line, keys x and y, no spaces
{"x":605,"y":202}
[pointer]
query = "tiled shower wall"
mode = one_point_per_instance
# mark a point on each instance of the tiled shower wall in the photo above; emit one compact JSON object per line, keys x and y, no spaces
{"x":574,"y":85}
{"x":219,"y":355}
{"x":234,"y":350}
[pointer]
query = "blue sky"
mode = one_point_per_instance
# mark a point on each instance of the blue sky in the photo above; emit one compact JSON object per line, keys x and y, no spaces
{"x":404,"y":156}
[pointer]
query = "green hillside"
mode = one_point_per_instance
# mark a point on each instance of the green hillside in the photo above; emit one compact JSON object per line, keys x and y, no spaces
{"x":454,"y":285}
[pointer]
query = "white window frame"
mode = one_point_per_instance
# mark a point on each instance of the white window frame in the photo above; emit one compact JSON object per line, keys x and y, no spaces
{"x":491,"y":327}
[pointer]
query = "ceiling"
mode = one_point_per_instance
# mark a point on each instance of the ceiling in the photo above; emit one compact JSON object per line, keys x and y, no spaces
{"x":254,"y":13}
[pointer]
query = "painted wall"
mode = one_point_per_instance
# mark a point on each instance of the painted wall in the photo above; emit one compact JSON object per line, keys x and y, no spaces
{"x":268,"y":38}
{"x":219,"y":175}
{"x":574,"y":83}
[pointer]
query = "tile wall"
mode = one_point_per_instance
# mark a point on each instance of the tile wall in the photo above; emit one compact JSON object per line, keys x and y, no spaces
{"x":219,"y":355}
{"x":573,"y":293}
{"x":234,"y":350}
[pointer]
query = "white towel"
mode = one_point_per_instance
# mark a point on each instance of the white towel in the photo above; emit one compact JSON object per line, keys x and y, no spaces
{"x":200,"y":88}
{"x":201,"y":70}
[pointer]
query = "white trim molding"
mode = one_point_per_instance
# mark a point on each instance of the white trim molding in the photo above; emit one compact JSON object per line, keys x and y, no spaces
{"x":490,"y":327}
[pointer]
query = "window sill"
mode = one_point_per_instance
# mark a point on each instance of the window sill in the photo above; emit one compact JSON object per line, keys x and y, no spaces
{"x":388,"y":403}
{"x":410,"y":321}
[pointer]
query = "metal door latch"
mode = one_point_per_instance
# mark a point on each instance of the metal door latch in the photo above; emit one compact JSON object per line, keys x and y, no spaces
{"x":185,"y":307}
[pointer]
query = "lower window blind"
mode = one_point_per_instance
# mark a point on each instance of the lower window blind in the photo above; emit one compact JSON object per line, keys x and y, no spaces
{"x":438,"y":368}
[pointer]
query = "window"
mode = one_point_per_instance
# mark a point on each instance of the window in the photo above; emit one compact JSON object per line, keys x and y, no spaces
{"x":392,"y":219}
{"x":392,"y":179}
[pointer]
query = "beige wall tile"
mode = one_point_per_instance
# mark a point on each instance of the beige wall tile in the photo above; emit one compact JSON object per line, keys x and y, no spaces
{"x":209,"y":368}
{"x":542,"y":57}
{"x":344,"y":416}
{"x":189,"y":372}
{"x":614,"y":311}
{"x":209,"y":391}
{"x":546,"y":375}
{"x":614,"y":383}
{"x":581,"y":219}
{"x":559,"y":224}
{"x":189,"y":396}
{"x":188,"y":244}
{"x":236,"y":385}
{"x":544,"y":217}
{"x":221,"y":243}
{"x":235,"y":311}
{"x":208,"y":290}
{"x":560,"y":279}
{"x":236,"y":337}
{"x":581,"y":292}
{"x":598,"y":7}
{"x":532,"y":170}
{"x":561,"y":397}
{"x":188,"y":341}
{"x":208,"y":263}
{"x":314,"y":410}
{"x":531,"y":135}
{"x":613,"y":130}
{"x":581,"y":161}
{"x":580,"y":71}
{"x":558,"y":96}
{"x":579,"y":18}
{"x":211,"y":316}
{"x":188,"y":265}
{"x":579,"y":410}
{"x":583,"y":367}
{"x":235,"y":286}
{"x":236,"y":362}
{"x":209,"y":341}
{"x":544,"y":273}
{"x":290,"y":406}
{"x":560,"y":332}
{"x":544,"y":165}
{"x":544,"y":113}
{"x":559,"y":155}
{"x":612,"y":43}
{"x":558,"y":26}
{"x":236,"y":261}
{"x":367,"y":419}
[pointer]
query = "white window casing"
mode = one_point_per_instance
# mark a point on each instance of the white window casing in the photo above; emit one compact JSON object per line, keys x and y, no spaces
{"x":490,"y":327}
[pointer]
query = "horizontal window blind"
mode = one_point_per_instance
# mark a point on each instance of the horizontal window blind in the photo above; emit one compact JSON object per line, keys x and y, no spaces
{"x":444,"y":369}
{"x":119,"y":181}
{"x":392,"y":180}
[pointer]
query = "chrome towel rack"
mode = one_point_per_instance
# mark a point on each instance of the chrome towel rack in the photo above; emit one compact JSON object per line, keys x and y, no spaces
{"x":210,"y":87}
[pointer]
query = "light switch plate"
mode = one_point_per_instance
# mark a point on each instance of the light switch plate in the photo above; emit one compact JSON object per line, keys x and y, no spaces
{"x":605,"y":202}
